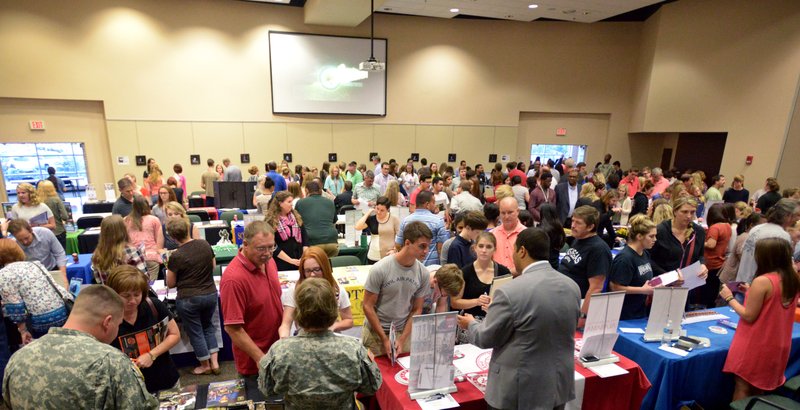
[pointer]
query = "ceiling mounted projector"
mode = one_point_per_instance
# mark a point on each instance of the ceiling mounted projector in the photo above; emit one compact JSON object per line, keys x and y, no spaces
{"x":372,"y":65}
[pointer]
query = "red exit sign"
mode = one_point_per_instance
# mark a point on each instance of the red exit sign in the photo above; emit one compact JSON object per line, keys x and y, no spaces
{"x":561,"y":132}
{"x":36,"y":124}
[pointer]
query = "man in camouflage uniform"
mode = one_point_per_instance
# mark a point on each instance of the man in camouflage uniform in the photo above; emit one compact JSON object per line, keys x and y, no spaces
{"x":74,"y":366}
{"x":292,"y":367}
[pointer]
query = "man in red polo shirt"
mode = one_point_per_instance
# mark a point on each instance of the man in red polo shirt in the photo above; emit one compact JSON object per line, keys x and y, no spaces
{"x":251,"y":298}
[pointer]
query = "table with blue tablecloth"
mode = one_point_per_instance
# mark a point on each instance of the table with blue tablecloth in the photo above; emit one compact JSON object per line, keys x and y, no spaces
{"x":80,"y":269}
{"x":696,"y":377}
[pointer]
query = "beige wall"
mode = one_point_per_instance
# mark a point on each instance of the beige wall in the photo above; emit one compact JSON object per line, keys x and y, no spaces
{"x":310,"y":143}
{"x":724,"y":66}
{"x":452,"y":84}
{"x":179,"y":72}
{"x":789,"y":168}
{"x":66,"y":121}
{"x":647,"y":147}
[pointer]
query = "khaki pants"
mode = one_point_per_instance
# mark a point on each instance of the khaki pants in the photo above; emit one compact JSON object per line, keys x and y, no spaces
{"x":372,"y":341}
{"x":331,"y":249}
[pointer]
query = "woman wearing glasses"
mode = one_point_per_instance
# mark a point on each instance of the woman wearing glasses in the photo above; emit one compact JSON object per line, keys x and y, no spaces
{"x":315,"y":264}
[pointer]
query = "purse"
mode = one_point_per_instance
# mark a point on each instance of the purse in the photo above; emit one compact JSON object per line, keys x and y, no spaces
{"x":68,"y":302}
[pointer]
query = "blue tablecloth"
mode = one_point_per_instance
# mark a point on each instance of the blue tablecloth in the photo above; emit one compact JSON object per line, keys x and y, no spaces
{"x":696,"y":377}
{"x":82,"y":269}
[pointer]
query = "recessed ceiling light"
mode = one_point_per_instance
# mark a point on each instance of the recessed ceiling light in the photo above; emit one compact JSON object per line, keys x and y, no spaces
{"x":533,"y":6}
{"x":454,"y":10}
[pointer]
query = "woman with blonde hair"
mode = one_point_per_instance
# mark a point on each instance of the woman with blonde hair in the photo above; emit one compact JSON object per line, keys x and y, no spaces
{"x":631,"y":271}
{"x":396,"y":198}
{"x":662,"y":212}
{"x":587,"y":196}
{"x":680,"y":241}
{"x":29,"y":208}
{"x":113,"y":249}
{"x":153,"y":183}
{"x":175,"y":210}
{"x":290,"y":234}
{"x":46,"y":192}
{"x":145,"y":229}
{"x":626,"y":206}
{"x":297,"y":193}
{"x":315,"y":264}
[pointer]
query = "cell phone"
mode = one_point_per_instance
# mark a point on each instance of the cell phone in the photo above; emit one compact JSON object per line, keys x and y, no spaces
{"x":689,"y":340}
{"x":682,"y":347}
{"x":589,"y":359}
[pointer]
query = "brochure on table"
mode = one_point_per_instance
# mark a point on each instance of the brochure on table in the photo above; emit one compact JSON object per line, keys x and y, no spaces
{"x":600,"y":330}
{"x":668,"y":305}
{"x":111,"y":194}
{"x":433,"y":339}
{"x":91,"y":194}
{"x":351,"y":235}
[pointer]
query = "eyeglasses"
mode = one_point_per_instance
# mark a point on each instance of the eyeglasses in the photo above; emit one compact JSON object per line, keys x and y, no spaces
{"x":313,"y":270}
{"x":269,"y":249}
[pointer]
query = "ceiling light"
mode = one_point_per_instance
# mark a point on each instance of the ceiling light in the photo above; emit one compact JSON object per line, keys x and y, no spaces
{"x":533,"y":6}
{"x":454,"y":10}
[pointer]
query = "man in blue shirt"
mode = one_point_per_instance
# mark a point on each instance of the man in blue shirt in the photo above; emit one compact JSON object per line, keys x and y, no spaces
{"x":426,"y":206}
{"x":39,"y":244}
{"x":280,"y":182}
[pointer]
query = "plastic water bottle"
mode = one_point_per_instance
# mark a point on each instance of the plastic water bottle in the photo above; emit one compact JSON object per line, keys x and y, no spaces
{"x":666,"y":335}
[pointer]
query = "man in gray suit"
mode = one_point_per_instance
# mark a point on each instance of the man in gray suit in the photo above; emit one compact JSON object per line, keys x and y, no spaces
{"x":567,"y":194}
{"x":530,"y":324}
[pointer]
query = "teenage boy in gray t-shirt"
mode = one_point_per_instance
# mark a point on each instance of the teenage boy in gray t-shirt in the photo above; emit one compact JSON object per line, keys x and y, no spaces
{"x":394,"y":292}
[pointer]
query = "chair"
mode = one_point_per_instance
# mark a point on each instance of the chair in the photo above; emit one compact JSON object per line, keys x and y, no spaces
{"x":227,"y":216}
{"x":70,"y":187}
{"x":194,"y":218}
{"x":202,"y":214}
{"x":86,"y":222}
{"x":770,"y":401}
{"x":345,"y":260}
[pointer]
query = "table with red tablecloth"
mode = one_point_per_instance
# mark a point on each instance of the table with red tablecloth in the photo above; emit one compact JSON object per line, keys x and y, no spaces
{"x":613,"y":393}
{"x":210,"y":210}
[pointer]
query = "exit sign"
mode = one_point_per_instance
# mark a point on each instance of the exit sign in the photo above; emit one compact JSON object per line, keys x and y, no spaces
{"x":36,"y":124}
{"x":561,"y":132}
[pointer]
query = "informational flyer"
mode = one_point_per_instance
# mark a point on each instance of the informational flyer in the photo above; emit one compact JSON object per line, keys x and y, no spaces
{"x":138,"y":343}
{"x":433,"y":339}
{"x":668,"y":305}
{"x":351,"y":235}
{"x":600,"y":331}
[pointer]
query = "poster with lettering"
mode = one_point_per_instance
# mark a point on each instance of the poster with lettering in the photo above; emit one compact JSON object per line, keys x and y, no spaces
{"x":433,"y":339}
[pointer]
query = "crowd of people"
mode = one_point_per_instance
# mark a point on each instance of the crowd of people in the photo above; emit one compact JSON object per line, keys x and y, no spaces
{"x":551,"y":225}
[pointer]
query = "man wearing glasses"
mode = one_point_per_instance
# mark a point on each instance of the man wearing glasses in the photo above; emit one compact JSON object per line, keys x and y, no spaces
{"x":250,"y":294}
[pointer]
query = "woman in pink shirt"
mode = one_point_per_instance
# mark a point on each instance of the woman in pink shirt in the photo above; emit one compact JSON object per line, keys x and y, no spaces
{"x":144,"y":231}
{"x":178,"y":169}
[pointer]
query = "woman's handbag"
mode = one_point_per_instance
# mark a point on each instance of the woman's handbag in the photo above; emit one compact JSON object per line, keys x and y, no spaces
{"x":68,"y":302}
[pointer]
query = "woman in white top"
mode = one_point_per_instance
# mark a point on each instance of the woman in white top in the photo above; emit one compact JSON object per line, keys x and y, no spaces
{"x":383,"y":227}
{"x":410,"y":179}
{"x":30,"y":209}
{"x":315,"y":264}
{"x":627,"y":204}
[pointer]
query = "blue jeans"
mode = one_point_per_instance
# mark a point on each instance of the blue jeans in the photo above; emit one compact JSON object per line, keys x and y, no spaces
{"x":196,"y":313}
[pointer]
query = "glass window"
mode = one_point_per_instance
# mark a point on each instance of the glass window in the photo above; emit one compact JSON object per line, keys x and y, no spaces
{"x":22,"y":162}
{"x":556,"y":152}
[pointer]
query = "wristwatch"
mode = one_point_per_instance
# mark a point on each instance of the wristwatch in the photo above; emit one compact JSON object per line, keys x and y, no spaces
{"x":583,"y":315}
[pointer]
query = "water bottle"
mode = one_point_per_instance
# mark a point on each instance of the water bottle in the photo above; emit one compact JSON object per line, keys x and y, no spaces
{"x":666,"y":335}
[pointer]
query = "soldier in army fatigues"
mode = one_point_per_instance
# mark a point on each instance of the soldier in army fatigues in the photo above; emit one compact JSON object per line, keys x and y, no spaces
{"x":74,"y":366}
{"x":317,"y":369}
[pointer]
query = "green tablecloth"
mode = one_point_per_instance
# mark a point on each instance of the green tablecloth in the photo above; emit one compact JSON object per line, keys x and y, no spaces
{"x":358,"y":251}
{"x":224,"y":253}
{"x":72,"y":241}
